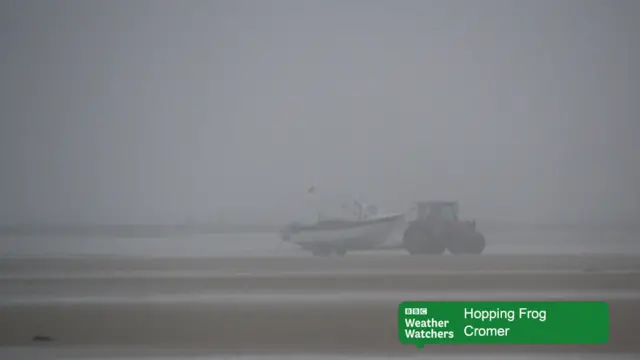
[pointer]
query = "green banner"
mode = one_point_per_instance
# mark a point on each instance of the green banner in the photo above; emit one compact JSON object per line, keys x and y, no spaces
{"x":424,"y":322}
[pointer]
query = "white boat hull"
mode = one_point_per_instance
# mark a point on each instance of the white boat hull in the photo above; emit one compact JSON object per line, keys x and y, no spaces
{"x":348,"y":235}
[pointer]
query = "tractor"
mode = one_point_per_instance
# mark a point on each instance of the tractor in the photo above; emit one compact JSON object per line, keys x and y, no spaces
{"x":437,"y":229}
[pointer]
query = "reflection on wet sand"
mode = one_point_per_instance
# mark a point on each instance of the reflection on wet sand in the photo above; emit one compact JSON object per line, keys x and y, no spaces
{"x":315,"y":306}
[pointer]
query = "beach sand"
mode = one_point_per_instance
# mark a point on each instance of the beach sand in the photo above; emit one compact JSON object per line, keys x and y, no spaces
{"x":236,"y":328}
{"x":259,"y":325}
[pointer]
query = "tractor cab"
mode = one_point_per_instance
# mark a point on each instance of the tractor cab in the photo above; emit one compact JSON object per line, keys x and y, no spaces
{"x":437,"y":228}
{"x":438,"y":210}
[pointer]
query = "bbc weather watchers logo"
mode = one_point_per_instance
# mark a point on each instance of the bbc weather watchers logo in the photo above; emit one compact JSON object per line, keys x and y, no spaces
{"x":503,"y":322}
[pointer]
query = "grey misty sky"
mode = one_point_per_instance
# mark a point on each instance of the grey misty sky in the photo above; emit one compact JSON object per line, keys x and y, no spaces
{"x":148,"y":111}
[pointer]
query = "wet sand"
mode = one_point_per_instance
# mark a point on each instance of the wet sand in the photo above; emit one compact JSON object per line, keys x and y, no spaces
{"x":356,"y":262}
{"x":259,"y":325}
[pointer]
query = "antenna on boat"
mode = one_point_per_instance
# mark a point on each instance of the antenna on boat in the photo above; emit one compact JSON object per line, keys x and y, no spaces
{"x":312,"y":190}
{"x":359,"y":209}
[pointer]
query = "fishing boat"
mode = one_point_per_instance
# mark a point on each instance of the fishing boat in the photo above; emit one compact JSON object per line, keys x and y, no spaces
{"x":368,"y":230}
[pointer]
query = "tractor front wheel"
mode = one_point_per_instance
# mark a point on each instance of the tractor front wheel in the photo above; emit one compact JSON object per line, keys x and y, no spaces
{"x":418,"y":241}
{"x":476,"y":244}
{"x":457,"y":245}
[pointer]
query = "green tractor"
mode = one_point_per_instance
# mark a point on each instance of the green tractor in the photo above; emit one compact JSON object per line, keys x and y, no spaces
{"x":438,"y":229}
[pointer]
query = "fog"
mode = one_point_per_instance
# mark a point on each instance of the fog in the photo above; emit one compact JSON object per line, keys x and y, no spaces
{"x":155,"y":111}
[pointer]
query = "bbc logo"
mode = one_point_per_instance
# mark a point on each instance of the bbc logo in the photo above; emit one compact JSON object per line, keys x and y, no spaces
{"x":415,"y":311}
